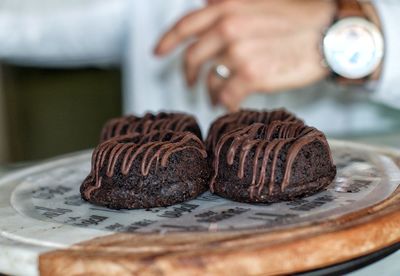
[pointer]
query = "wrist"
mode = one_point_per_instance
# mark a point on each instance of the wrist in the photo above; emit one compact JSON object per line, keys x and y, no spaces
{"x":373,"y":16}
{"x":371,"y":13}
{"x":353,"y":45}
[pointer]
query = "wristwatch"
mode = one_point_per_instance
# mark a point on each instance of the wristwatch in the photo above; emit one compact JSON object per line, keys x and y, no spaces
{"x":353,"y":46}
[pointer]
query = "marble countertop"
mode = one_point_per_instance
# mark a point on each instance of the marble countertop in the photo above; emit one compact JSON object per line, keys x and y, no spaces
{"x":389,"y":140}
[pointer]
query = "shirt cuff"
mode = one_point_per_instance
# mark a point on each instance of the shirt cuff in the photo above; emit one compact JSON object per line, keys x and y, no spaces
{"x":388,"y":87}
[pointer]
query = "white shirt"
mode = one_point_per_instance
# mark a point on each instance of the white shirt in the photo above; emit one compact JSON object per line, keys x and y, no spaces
{"x":124,"y":32}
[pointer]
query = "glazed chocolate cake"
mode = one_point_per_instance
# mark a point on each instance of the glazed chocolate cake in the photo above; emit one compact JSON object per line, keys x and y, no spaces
{"x":280,"y":159}
{"x":244,"y":118}
{"x":145,"y":171}
{"x":148,"y":123}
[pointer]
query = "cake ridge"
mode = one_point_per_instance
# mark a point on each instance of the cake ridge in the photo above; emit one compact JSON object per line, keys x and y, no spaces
{"x":149,"y":122}
{"x":154,"y":146}
{"x":268,"y":139}
{"x":246,"y":117}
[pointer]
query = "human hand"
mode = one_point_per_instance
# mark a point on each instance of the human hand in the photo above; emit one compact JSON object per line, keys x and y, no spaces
{"x":268,"y":45}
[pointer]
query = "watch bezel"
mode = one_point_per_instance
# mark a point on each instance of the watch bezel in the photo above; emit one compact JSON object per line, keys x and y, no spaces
{"x":329,"y":46}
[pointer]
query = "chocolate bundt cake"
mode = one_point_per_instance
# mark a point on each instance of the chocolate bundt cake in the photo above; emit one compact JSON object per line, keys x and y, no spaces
{"x":271,"y":161}
{"x":244,"y":118}
{"x":148,"y":123}
{"x":145,"y":171}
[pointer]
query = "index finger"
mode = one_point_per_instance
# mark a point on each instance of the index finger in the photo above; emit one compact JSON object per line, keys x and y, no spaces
{"x":190,"y":25}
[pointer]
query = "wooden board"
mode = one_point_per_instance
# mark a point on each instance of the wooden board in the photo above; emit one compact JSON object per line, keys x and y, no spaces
{"x":289,"y":251}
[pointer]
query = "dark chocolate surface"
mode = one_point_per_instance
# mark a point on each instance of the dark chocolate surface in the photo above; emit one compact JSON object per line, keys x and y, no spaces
{"x":150,"y":122}
{"x":281,"y":159}
{"x":253,"y":156}
{"x":244,"y":118}
{"x":144,"y":171}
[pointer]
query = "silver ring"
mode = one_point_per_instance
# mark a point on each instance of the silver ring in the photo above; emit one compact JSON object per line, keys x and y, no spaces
{"x":222,"y":71}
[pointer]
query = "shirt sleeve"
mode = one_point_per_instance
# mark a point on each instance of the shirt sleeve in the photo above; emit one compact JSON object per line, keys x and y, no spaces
{"x":62,"y":33}
{"x":388,"y":90}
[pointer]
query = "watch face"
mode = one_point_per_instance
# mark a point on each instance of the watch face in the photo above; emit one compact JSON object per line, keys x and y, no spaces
{"x":353,"y":47}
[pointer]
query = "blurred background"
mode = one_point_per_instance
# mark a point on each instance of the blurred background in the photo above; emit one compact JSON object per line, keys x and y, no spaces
{"x":66,"y":67}
{"x":47,"y":112}
{"x":61,"y":78}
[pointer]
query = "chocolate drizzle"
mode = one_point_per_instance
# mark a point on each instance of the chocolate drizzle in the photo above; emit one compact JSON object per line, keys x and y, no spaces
{"x":266,"y":141}
{"x":154,"y":148}
{"x":245,"y":118}
{"x":149,"y":122}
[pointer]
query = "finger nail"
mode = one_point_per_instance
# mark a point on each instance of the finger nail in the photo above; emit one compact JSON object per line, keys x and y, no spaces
{"x":162,"y":47}
{"x":158,"y":49}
